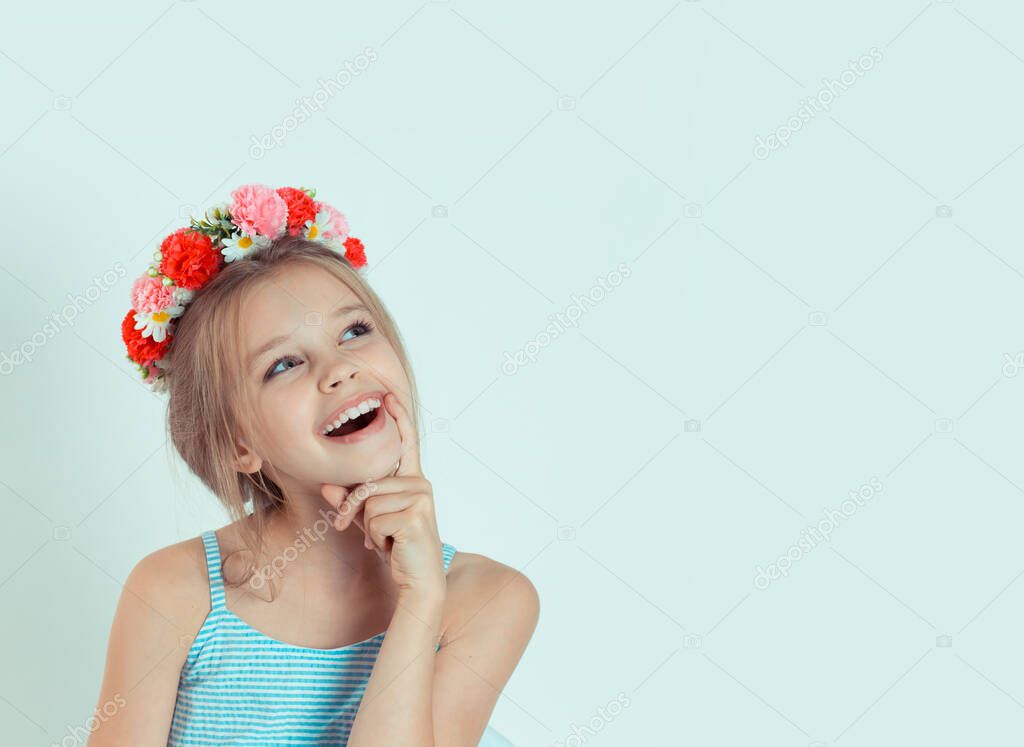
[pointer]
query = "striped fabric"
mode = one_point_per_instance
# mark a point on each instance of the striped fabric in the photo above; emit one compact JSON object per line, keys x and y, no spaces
{"x":239,"y":686}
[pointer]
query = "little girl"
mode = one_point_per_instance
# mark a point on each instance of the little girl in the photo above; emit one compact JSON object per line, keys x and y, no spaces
{"x":329,"y":612}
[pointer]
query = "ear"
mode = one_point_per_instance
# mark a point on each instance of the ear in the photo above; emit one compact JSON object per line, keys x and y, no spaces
{"x":246,"y":460}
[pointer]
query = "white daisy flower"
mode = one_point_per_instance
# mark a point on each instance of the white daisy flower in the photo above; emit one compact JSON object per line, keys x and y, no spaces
{"x":154,"y":323}
{"x":313,"y":227}
{"x":334,"y":244}
{"x":241,"y":244}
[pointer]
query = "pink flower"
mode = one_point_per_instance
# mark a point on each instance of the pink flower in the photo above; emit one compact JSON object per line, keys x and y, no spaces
{"x":152,"y":373}
{"x":149,"y":295}
{"x":258,"y":209}
{"x":337,"y":225}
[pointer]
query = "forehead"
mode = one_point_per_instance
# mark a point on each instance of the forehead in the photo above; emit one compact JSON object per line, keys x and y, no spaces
{"x":287,"y":301}
{"x":287,"y":296}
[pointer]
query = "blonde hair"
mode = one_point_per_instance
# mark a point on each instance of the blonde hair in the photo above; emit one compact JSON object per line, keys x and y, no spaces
{"x":207,"y":408}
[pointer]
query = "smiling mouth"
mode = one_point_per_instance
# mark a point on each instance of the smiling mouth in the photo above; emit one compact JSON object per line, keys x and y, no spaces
{"x":356,"y":424}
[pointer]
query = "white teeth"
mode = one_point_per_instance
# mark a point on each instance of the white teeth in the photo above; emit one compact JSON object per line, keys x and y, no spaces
{"x":353,"y":412}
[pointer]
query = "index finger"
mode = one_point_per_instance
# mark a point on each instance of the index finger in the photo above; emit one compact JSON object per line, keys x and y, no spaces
{"x":409,"y":465}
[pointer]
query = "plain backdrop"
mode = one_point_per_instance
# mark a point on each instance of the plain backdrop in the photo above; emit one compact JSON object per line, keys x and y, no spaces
{"x":678,"y":279}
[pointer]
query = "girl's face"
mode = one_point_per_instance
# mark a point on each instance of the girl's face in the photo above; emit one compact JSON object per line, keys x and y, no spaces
{"x":312,"y":348}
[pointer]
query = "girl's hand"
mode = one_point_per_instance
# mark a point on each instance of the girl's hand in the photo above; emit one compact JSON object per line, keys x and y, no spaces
{"x":398,"y":515}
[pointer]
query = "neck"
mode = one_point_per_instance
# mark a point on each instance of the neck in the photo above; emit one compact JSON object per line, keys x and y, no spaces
{"x":318,"y":550}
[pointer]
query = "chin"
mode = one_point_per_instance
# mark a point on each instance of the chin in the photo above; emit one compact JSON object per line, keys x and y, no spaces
{"x":366,"y":462}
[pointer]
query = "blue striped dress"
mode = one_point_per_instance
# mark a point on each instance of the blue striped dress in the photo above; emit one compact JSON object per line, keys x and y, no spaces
{"x":239,"y":686}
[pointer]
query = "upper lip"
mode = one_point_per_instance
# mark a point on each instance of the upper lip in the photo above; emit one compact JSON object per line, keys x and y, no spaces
{"x":347,"y":404}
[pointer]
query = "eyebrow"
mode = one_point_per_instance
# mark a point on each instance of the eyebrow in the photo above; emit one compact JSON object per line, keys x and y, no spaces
{"x":275,"y":341}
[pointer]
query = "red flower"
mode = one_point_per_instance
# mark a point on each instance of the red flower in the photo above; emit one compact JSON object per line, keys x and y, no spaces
{"x":142,"y":350}
{"x":300,"y":208}
{"x":354,"y":252}
{"x":189,"y":258}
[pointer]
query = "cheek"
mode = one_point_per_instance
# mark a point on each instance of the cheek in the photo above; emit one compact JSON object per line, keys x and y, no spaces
{"x":381,"y":362}
{"x":391,"y":371}
{"x":285,"y":412}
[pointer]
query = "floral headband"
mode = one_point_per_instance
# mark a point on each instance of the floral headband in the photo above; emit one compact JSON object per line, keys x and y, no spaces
{"x":190,"y":257}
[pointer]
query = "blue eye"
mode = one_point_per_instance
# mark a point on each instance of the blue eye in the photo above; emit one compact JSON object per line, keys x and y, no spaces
{"x":361,"y":325}
{"x":364,"y":327}
{"x":275,"y":364}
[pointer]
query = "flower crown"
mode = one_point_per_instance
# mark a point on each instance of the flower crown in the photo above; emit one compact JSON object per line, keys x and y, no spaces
{"x":190,"y":257}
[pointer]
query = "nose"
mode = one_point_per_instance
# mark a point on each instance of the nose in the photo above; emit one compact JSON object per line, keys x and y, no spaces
{"x":342,"y":368}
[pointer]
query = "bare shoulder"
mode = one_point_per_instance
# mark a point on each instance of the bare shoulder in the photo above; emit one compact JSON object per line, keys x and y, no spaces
{"x":493,"y":612}
{"x":483,"y":591}
{"x":174,"y":583}
{"x":162,"y":606}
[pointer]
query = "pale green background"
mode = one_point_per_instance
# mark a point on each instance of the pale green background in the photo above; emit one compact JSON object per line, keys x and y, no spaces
{"x":848,"y":308}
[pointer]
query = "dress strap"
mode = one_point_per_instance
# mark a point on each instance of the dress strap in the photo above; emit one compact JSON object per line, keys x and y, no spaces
{"x":447,"y":553}
{"x":213,"y":569}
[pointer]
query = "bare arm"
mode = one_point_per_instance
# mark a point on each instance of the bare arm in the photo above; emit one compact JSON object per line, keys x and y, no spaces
{"x":396,"y":706}
{"x":156,"y":618}
{"x":498,"y":619}
{"x":416,"y":698}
